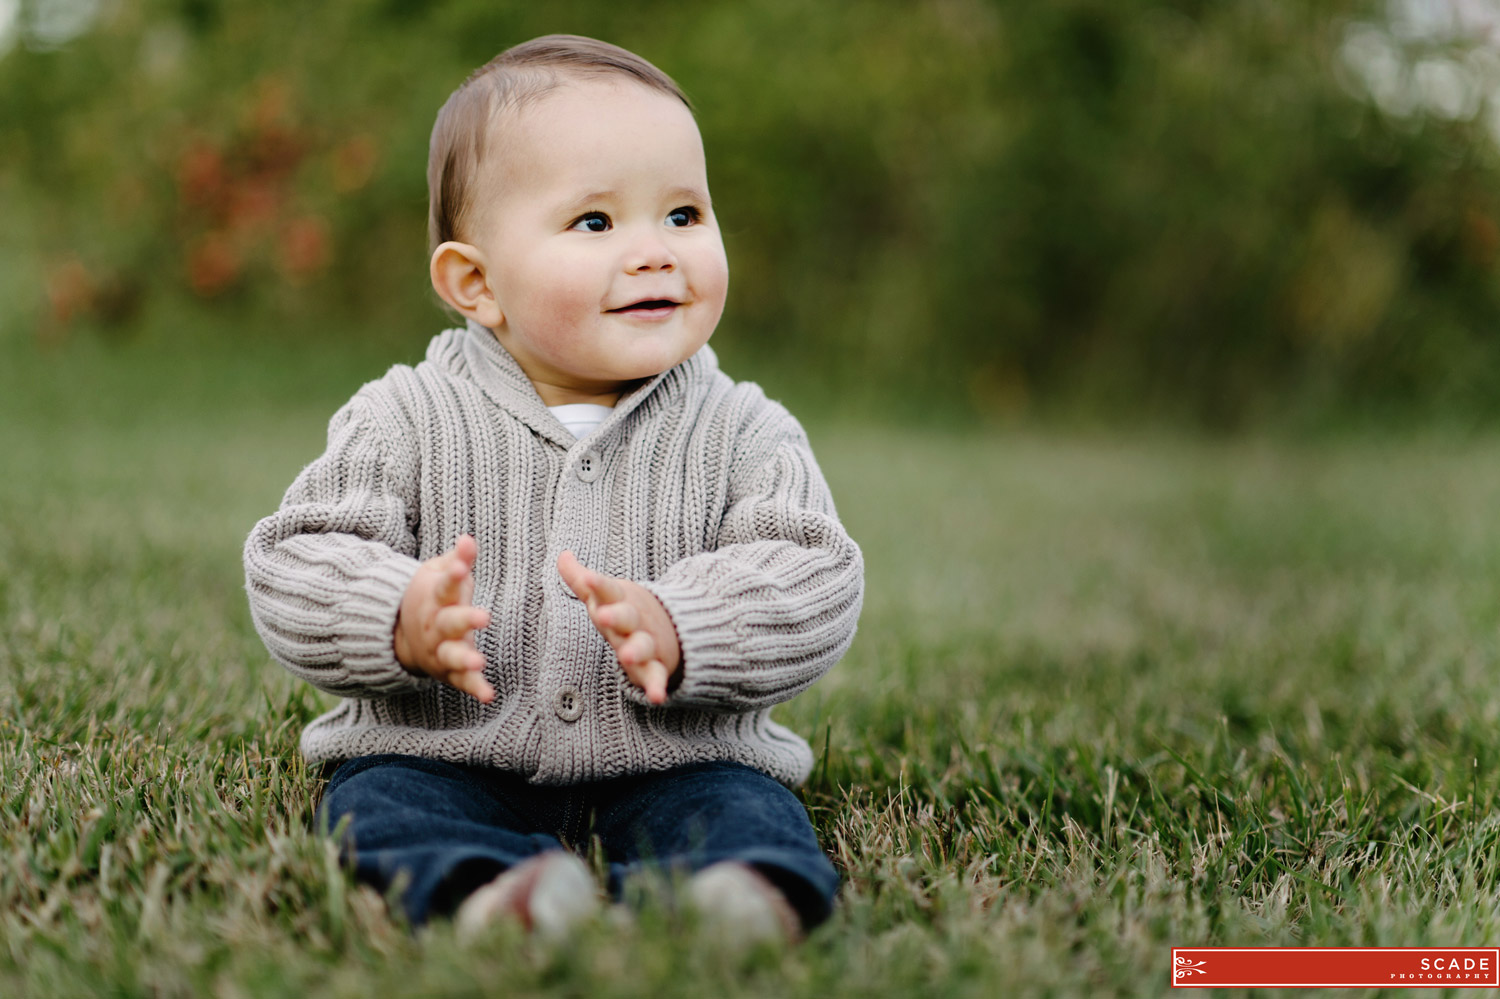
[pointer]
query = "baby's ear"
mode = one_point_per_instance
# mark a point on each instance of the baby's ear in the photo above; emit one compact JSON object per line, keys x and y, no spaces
{"x":460,"y":278}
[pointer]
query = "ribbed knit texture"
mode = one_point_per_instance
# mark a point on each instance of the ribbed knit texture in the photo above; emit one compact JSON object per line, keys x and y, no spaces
{"x":696,"y":486}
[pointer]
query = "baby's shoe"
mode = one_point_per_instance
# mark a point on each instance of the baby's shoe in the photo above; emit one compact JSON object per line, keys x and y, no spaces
{"x":738,"y":908}
{"x":549,"y":893}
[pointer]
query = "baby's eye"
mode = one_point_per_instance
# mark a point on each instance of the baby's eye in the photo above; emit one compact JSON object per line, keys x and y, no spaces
{"x":592,"y":222}
{"x":679,"y":217}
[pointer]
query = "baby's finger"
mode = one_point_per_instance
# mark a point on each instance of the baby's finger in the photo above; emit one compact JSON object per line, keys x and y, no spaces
{"x":457,"y":657}
{"x":637,"y":649}
{"x":450,"y":584}
{"x":651,"y":677}
{"x":608,"y":589}
{"x":457,"y":620}
{"x":578,"y":578}
{"x":621,"y":618}
{"x":472,"y":683}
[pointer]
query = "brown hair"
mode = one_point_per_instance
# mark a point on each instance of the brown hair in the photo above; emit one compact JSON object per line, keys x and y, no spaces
{"x":516,"y":77}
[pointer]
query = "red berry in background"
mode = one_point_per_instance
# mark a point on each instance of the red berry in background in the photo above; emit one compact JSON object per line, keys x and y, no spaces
{"x":213,"y":263}
{"x":304,"y":246}
{"x":70,"y":289}
{"x":253,"y":204}
{"x":201,"y":176}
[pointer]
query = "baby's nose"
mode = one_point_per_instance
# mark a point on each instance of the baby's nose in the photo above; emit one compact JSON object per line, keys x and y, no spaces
{"x":652,"y":253}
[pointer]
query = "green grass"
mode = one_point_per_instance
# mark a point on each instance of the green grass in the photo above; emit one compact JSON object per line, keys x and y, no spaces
{"x":1110,"y":694}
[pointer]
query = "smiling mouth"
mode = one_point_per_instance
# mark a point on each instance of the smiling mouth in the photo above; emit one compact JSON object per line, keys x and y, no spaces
{"x":649,"y":305}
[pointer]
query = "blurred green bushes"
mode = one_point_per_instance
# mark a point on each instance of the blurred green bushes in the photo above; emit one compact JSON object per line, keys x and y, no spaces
{"x":1215,"y":211}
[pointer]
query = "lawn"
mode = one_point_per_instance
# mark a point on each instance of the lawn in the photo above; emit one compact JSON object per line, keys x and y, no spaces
{"x":1111,"y":693}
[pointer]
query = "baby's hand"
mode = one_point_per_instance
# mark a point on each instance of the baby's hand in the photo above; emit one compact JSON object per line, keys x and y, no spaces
{"x":434,"y":627}
{"x":634,"y":623}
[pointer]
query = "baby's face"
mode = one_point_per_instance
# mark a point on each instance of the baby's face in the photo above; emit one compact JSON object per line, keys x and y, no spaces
{"x":601,"y":245}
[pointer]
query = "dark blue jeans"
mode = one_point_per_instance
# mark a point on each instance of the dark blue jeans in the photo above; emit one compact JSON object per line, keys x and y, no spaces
{"x":450,"y":829}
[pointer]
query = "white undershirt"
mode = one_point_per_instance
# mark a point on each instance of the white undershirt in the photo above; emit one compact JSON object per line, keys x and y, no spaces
{"x":581,"y":418}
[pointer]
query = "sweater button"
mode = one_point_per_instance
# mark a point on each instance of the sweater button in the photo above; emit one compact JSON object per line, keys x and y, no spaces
{"x":568,"y":704}
{"x":590,"y":465}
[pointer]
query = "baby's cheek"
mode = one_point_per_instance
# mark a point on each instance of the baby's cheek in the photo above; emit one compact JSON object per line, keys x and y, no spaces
{"x":567,"y":306}
{"x":566,"y":334}
{"x":711,"y":282}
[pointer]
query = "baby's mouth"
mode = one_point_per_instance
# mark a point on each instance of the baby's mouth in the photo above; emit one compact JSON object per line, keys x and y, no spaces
{"x":648,"y":307}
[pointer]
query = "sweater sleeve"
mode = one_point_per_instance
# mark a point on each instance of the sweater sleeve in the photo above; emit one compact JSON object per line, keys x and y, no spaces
{"x":326,"y":572}
{"x":775,"y":604}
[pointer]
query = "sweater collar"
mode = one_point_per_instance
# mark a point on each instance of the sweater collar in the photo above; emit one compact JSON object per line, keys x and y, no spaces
{"x":474,"y":351}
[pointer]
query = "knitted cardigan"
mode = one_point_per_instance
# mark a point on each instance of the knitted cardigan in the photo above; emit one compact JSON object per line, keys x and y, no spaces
{"x":696,"y":486}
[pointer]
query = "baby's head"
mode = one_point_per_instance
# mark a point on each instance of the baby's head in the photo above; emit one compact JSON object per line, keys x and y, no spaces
{"x":569,"y":213}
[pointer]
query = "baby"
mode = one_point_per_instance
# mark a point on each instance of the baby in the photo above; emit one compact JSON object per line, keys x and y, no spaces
{"x":560,"y":571}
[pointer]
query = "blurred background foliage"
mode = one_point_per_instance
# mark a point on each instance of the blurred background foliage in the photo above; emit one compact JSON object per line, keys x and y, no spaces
{"x":1225,"y":213}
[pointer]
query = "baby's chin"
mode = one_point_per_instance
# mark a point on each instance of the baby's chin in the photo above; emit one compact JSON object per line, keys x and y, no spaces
{"x":650,"y":360}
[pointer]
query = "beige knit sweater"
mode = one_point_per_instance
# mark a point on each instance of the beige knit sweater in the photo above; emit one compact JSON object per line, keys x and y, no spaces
{"x":696,"y":486}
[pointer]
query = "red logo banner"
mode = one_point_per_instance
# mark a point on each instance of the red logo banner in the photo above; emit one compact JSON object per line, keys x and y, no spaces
{"x":1335,"y":967}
